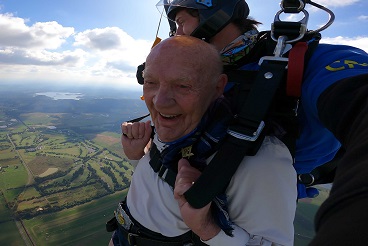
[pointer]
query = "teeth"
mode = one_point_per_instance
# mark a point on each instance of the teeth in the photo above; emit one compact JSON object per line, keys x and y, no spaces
{"x":168,"y":116}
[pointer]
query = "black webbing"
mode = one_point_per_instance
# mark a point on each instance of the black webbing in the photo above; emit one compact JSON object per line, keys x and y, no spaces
{"x":156,"y":164}
{"x":293,"y":6}
{"x":220,"y":170}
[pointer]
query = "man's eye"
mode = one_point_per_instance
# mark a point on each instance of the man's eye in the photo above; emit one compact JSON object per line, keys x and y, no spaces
{"x":184,"y":86}
{"x":149,"y":83}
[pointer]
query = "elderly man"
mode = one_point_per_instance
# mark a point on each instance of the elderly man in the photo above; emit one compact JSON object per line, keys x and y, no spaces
{"x":331,"y":113}
{"x":183,"y":86}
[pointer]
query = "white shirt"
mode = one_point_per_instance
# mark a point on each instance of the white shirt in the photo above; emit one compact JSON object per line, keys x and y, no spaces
{"x":262,"y":199}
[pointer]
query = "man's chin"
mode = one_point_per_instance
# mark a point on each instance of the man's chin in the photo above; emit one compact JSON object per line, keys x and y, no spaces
{"x":165,"y":138}
{"x":167,"y":135}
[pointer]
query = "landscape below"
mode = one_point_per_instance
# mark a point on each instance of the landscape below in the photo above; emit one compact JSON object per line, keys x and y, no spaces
{"x":62,"y":168}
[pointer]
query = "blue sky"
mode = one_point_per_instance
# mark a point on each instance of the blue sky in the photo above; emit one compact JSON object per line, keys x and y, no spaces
{"x":102,"y":42}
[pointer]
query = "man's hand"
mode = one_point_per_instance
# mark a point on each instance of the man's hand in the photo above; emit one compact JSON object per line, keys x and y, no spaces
{"x":200,"y":221}
{"x":135,"y":138}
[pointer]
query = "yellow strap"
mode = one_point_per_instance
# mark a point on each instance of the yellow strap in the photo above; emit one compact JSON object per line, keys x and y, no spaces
{"x":157,"y":40}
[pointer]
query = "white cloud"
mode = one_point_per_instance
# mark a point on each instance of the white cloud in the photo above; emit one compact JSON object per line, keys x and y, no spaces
{"x":47,"y":51}
{"x":102,"y":39}
{"x":337,"y":3}
{"x":113,"y":43}
{"x":40,"y":57}
{"x":41,"y":35}
{"x":363,"y":17}
{"x":359,"y":42}
{"x":118,"y":53}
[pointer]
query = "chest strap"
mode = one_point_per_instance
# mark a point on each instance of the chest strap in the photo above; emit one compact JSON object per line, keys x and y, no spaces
{"x":242,"y":136}
{"x":168,"y":175}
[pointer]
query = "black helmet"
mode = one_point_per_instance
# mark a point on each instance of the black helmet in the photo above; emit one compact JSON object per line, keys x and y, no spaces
{"x":214,"y":15}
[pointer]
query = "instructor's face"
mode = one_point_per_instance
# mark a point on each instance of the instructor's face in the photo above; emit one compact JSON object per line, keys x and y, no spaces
{"x":185,"y":22}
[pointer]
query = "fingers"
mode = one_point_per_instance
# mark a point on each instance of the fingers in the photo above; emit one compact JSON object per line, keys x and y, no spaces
{"x":136,"y":130}
{"x":135,"y":139}
{"x":183,"y":163}
{"x":185,"y":170}
{"x":185,"y":178}
{"x":148,"y":130}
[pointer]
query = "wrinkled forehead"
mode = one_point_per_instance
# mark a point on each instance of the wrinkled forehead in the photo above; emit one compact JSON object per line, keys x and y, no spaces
{"x":174,"y":69}
{"x":184,"y":52}
{"x":174,"y":62}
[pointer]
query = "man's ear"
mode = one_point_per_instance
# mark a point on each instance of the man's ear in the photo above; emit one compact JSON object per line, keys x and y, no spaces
{"x":221,"y":83}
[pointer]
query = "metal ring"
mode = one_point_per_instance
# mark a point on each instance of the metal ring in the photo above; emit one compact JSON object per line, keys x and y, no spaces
{"x":310,"y":175}
{"x":303,"y":27}
{"x":300,"y":8}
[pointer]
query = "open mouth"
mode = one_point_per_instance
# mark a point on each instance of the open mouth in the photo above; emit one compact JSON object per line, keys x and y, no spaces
{"x":169,"y":116}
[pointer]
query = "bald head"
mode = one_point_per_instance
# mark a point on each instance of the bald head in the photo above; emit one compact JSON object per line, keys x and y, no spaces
{"x":202,"y":57}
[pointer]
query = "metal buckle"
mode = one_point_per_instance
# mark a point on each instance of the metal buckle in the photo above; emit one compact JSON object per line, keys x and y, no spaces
{"x":281,"y":48}
{"x":123,"y":218}
{"x":303,"y":26}
{"x":252,"y":138}
{"x":162,"y":172}
{"x":272,"y":58}
{"x":131,"y":239}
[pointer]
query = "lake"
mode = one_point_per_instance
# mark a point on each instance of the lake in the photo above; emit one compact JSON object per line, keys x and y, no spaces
{"x":61,"y":95}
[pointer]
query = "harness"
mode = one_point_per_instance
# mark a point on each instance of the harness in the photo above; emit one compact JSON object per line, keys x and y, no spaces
{"x":265,"y":100}
{"x":273,"y":97}
{"x":130,"y":231}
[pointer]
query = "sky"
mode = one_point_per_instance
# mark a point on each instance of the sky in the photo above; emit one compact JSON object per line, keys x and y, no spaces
{"x":98,"y":42}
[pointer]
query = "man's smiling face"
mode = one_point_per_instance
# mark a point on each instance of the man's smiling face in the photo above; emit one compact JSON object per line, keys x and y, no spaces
{"x":177,"y":90}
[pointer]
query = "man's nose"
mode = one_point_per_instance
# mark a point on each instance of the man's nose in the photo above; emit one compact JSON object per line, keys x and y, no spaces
{"x":164,"y":97}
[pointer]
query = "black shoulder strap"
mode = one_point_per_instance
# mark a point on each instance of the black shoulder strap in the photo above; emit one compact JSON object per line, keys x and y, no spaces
{"x":241,"y":137}
{"x":245,"y":134}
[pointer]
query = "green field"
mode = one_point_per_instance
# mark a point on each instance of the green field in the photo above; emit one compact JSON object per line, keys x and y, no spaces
{"x":80,"y":225}
{"x":57,"y":181}
{"x":64,"y":184}
{"x":9,"y":235}
{"x":9,"y":232}
{"x":84,"y":225}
